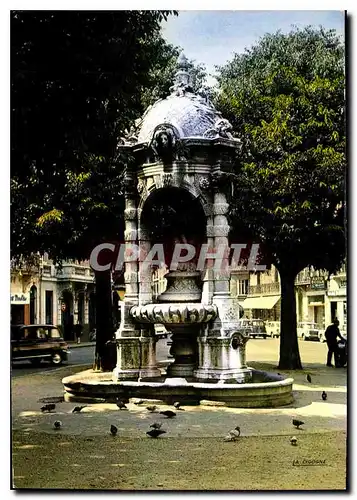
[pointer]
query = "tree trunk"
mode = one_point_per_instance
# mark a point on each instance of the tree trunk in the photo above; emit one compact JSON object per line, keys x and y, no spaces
{"x":289,"y":347}
{"x":105,"y":353}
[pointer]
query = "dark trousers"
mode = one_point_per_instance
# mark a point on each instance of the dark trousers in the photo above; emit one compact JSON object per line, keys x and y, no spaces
{"x":332,"y":349}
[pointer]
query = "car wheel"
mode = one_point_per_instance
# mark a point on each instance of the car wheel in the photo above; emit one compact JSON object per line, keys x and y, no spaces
{"x":264,"y":337}
{"x":56,"y":359}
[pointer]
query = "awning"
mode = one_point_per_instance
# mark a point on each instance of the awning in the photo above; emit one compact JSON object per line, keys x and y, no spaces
{"x":316,"y":304}
{"x":261,"y":302}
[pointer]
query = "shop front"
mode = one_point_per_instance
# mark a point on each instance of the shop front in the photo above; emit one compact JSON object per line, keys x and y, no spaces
{"x":265,"y":308}
{"x":20,"y":308}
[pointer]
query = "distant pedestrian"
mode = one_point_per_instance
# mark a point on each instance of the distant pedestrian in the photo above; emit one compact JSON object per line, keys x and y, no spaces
{"x":331,"y":334}
{"x":78,"y":332}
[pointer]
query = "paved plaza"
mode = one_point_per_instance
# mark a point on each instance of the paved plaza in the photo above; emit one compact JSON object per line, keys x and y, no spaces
{"x":192,"y":454}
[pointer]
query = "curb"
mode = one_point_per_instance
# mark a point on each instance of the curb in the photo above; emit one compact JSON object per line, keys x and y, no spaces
{"x":77,"y":346}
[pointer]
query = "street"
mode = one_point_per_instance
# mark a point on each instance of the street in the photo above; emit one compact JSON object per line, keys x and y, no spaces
{"x":312,"y":354}
{"x":77,"y":356}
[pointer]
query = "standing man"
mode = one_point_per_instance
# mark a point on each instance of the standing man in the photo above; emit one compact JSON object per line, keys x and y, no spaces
{"x":331,"y":334}
{"x":78,"y":332}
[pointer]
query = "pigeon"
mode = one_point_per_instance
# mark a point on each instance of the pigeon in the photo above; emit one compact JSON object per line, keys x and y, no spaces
{"x":156,"y":425}
{"x":293,"y":441}
{"x":140,"y":402}
{"x":113,"y":430}
{"x":229,"y":438}
{"x":78,"y":409}
{"x":49,"y":407}
{"x":235,"y":432}
{"x":177,"y":405}
{"x":168,"y":413}
{"x":154,"y":433}
{"x":121,"y":405}
{"x":308,"y":378}
{"x":151,"y":408}
{"x":297,"y":423}
{"x":57,"y":424}
{"x":324,"y":395}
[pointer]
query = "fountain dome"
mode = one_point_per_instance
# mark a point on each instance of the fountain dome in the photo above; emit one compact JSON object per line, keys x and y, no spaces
{"x":189,"y":115}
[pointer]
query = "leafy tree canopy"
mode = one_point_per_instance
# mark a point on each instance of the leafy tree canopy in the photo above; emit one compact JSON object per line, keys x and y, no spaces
{"x":77,"y":83}
{"x":285,"y":98}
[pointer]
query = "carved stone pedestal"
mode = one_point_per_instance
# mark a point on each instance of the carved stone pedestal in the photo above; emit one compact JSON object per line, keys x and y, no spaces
{"x":128,"y":358}
{"x":223,"y":358}
{"x":184,"y":349}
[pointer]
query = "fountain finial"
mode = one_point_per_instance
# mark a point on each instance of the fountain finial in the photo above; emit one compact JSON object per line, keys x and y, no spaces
{"x":183,"y":80}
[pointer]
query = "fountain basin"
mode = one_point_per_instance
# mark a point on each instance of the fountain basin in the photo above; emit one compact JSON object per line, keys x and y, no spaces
{"x":268,"y":390}
{"x":177,"y":313}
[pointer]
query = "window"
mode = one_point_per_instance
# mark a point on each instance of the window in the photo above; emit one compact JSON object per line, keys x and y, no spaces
{"x":242,"y":287}
{"x":49,"y":307}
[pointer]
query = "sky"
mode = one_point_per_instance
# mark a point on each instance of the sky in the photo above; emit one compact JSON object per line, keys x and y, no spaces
{"x":212,"y":37}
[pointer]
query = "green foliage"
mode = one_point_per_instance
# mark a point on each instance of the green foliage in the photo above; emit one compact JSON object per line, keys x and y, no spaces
{"x":286,"y":100}
{"x":77,"y":80}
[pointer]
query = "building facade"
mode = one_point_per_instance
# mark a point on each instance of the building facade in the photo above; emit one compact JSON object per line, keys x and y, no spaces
{"x":46,"y":294}
{"x":319,"y":299}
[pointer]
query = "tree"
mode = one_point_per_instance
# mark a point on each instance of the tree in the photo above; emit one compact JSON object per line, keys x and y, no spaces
{"x":286,"y":100}
{"x":77,"y":82}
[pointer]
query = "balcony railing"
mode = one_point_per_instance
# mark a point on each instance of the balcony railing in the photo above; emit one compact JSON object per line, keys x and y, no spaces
{"x":46,"y":270}
{"x":74,"y":272}
{"x":265,"y":288}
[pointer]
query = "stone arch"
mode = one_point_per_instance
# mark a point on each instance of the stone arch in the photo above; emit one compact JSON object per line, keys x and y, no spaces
{"x":192,"y":188}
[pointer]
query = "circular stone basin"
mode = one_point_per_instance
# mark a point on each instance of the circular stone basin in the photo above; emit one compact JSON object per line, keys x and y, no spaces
{"x":273,"y":392}
{"x":177,"y":313}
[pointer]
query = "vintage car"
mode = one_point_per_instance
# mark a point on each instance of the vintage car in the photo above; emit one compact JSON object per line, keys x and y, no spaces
{"x":310,"y":331}
{"x":273,"y":328}
{"x":253,"y":327}
{"x":38,"y":342}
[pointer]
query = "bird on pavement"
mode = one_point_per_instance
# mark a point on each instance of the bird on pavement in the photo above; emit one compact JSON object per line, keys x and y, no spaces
{"x":308,"y":378}
{"x":154,"y":433}
{"x":139,"y":402}
{"x":151,"y":408}
{"x":297,"y":423}
{"x":177,"y":405}
{"x":49,"y":407}
{"x":156,"y":425}
{"x":235,"y":432}
{"x":78,"y":409}
{"x":168,"y":413}
{"x":113,"y":430}
{"x":293,"y":441}
{"x":324,"y":395}
{"x":57,"y":424}
{"x":229,"y":438}
{"x":121,"y":405}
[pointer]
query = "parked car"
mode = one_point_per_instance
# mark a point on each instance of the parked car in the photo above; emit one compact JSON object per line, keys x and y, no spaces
{"x":309,"y":331}
{"x":258,"y":328}
{"x":38,"y":342}
{"x":253,"y":327}
{"x":273,"y":328}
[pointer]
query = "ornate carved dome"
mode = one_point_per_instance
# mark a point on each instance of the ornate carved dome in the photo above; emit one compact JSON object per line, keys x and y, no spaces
{"x":187,"y":114}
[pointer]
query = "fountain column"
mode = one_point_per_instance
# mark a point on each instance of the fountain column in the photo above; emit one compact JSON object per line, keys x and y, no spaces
{"x":148,"y":365}
{"x":128,"y":334}
{"x":221,"y":355}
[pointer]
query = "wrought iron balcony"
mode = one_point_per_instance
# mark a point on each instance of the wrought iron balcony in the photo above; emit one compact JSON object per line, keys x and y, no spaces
{"x":264,"y":289}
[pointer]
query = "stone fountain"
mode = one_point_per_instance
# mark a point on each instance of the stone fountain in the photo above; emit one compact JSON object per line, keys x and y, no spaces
{"x":183,"y":146}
